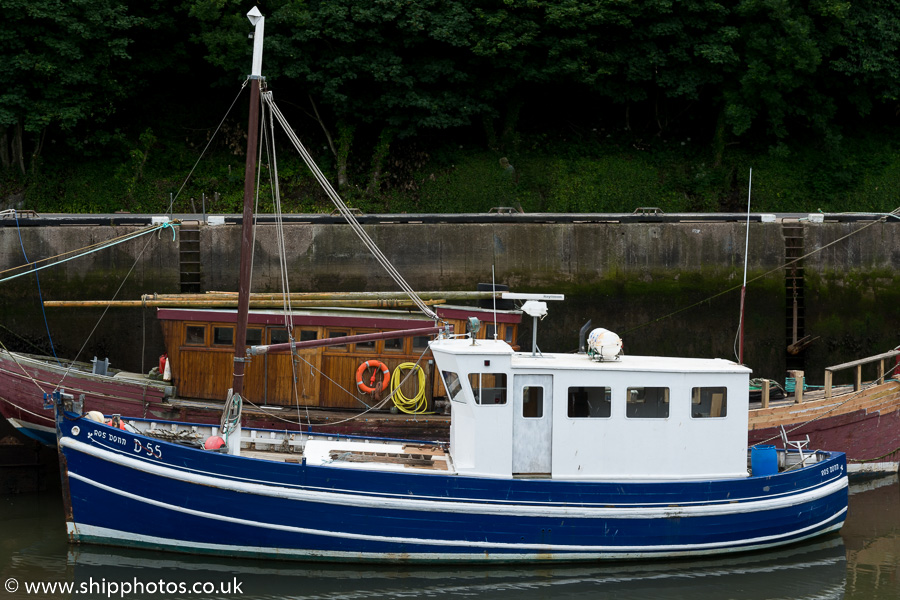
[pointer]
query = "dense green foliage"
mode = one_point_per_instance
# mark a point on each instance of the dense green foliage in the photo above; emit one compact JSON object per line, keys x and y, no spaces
{"x":600,"y":105}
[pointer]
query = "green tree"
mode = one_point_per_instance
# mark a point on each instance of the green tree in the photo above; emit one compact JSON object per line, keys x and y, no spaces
{"x":783,"y":45}
{"x":866,"y":68}
{"x":385,"y":69}
{"x":60,"y":67}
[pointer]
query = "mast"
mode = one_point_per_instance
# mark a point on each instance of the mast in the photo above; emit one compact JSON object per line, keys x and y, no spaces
{"x":240,"y":334}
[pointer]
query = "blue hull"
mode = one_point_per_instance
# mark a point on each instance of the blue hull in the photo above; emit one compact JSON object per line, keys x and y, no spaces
{"x":126,"y":489}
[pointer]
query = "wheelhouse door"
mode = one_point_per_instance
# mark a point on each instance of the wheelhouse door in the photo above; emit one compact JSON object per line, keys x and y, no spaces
{"x":532,"y":424}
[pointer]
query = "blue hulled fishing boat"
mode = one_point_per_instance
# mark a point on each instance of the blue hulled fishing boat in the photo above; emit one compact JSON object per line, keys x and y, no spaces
{"x":552,"y":457}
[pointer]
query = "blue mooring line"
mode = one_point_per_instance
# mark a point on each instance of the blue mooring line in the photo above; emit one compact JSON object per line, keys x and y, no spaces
{"x":40,"y":294}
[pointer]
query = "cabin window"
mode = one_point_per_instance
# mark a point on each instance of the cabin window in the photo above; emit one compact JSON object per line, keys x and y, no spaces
{"x":451,"y":382}
{"x":590,"y":402}
{"x":509,"y":334}
{"x":368,"y":347}
{"x":254,"y":337}
{"x":709,"y":402}
{"x":223,"y":336}
{"x":489,"y":331}
{"x":333,"y":333}
{"x":489,"y":388}
{"x":647,"y":403}
{"x":533,"y":402}
{"x":394,"y":345}
{"x":279,"y":336}
{"x":195,"y":335}
{"x":308,"y":335}
{"x":420,"y":343}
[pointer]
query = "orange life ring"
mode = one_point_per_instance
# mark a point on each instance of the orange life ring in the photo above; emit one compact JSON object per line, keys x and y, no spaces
{"x":375,"y":364}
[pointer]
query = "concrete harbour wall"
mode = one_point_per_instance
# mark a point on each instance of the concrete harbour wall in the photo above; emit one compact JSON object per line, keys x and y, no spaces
{"x":622,"y":276}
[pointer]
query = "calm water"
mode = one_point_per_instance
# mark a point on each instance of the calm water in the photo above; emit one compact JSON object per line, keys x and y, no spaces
{"x":862,"y":563}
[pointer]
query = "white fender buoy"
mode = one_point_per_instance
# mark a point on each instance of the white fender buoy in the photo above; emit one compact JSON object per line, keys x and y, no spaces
{"x":96,"y":416}
{"x":603,"y":344}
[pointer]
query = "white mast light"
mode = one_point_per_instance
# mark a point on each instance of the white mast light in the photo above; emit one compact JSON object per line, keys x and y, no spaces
{"x":258,"y":21}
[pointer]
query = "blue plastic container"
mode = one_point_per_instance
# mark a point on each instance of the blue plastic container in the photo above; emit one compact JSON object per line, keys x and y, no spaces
{"x":763,"y":460}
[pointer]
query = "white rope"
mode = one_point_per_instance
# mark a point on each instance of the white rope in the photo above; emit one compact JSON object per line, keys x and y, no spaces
{"x":287,"y":308}
{"x":345,"y":211}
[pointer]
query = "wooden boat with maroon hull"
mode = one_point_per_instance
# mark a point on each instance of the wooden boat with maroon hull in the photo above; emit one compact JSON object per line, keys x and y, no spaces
{"x":317,"y":390}
{"x":863,"y":421}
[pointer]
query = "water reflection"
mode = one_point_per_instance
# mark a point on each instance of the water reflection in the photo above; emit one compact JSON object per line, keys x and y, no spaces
{"x":872,"y":538}
{"x":809,"y":571}
{"x":862,"y":563}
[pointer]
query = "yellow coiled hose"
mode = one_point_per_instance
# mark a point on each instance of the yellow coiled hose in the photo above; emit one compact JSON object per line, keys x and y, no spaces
{"x":411,"y":406}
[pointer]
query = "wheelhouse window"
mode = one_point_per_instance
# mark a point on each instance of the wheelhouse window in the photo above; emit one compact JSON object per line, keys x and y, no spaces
{"x":223,"y":336}
{"x":453,"y":386}
{"x":647,"y":403}
{"x":279,"y":336}
{"x":533,"y":402}
{"x":394,"y":345}
{"x":590,"y":402}
{"x":333,"y":333}
{"x":308,"y":335}
{"x":709,"y":402}
{"x":488,"y":388}
{"x":254,"y":337}
{"x":509,"y":334}
{"x":368,"y":347}
{"x":195,"y":335}
{"x":420,"y":343}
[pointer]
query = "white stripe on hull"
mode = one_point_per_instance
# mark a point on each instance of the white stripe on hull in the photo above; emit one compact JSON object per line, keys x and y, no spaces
{"x":90,"y":533}
{"x":51,"y":431}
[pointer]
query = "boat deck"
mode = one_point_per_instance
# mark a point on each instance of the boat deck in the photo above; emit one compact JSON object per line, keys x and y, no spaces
{"x":362,"y":455}
{"x":883,"y":398}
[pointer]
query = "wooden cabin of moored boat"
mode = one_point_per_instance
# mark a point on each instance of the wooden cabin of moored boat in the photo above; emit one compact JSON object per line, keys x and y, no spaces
{"x":200,"y":346}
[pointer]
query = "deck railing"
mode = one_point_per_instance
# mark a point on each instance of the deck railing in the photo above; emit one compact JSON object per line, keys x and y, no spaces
{"x":857,"y":382}
{"x":829,"y":374}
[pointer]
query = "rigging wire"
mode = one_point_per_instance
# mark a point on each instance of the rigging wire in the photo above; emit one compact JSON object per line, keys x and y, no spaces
{"x":103,"y":314}
{"x":85,"y":251}
{"x":205,"y":148}
{"x":345,"y":211}
{"x":109,"y":243}
{"x":766,"y":274}
{"x":275,"y":190}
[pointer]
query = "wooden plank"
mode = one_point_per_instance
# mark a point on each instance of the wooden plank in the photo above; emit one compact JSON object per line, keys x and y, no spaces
{"x":420,"y":449}
{"x":864,"y":361}
{"x":393,"y":458}
{"x":887,"y":400}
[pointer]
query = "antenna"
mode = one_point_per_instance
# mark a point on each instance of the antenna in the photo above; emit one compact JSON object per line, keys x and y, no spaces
{"x":494,"y":297}
{"x":744,"y":287}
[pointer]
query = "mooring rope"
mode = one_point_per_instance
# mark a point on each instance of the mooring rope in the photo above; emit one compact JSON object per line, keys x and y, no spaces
{"x":766,"y":274}
{"x":33,"y":268}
